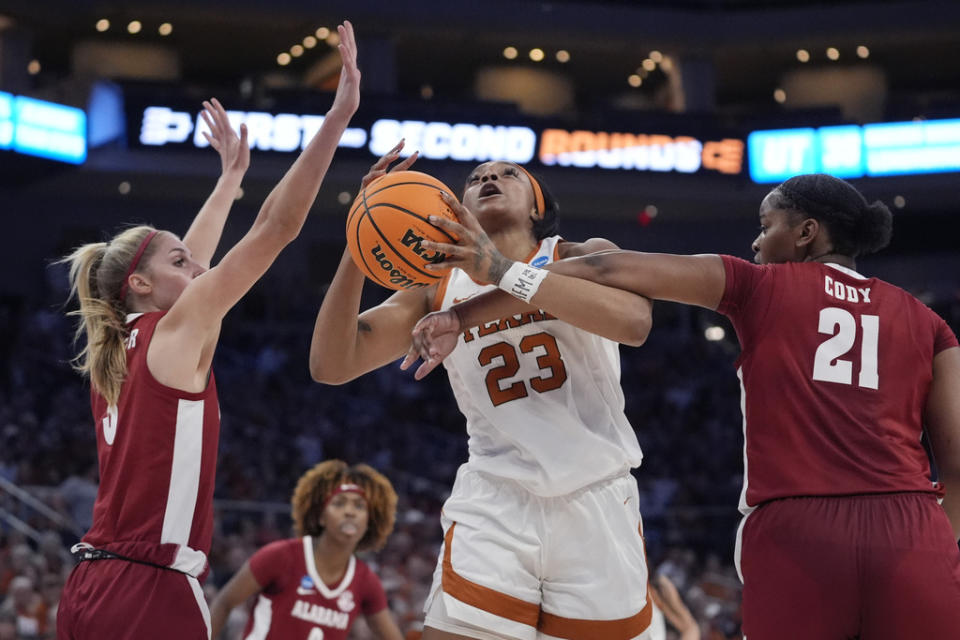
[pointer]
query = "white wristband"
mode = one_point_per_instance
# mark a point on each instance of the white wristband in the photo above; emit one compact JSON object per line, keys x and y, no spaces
{"x":522,"y":281}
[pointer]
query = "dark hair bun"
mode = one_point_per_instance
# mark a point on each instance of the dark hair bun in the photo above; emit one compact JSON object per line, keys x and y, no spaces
{"x":855,"y":227}
{"x":875,"y":227}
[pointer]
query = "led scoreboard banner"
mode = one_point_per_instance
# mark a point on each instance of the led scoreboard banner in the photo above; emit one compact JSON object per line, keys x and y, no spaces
{"x":853,"y":151}
{"x":461,"y":141}
{"x":40,"y":128}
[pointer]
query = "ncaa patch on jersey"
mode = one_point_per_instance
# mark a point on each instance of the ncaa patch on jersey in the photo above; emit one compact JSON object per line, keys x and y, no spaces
{"x":539,"y":262}
{"x":306,"y":586}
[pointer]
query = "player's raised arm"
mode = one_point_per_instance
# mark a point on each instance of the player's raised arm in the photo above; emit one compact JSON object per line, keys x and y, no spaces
{"x":610,"y":312}
{"x":697,"y":280}
{"x":586,"y":291}
{"x":204,"y":234}
{"x":942,"y":417}
{"x":196,"y":316}
{"x":347,"y":343}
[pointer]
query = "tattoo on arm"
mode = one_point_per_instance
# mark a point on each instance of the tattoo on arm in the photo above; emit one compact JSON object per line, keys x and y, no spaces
{"x":593,"y":259}
{"x":498,"y":263}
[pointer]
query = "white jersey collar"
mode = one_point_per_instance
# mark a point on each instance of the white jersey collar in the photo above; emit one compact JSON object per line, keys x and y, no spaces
{"x":315,"y":575}
{"x":850,"y":272}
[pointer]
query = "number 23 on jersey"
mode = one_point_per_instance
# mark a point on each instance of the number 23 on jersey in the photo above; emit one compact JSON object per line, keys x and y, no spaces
{"x":549,"y":359}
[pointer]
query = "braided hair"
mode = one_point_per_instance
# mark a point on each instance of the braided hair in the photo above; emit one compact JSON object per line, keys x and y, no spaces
{"x":856,"y":227}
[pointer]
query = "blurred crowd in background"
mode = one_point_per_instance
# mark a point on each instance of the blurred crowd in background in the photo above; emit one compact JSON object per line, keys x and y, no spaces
{"x":681,"y":396}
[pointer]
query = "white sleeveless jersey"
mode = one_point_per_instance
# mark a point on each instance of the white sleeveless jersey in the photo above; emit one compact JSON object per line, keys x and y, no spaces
{"x":542,"y":398}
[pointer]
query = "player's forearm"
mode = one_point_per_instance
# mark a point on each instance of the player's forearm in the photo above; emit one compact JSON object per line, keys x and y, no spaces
{"x":289,"y":202}
{"x":691,"y":633}
{"x":696,"y":279}
{"x":334,"y":342}
{"x":218,"y":618}
{"x":204,"y":234}
{"x":951,"y":501}
{"x":611,"y":313}
{"x":605,"y":311}
{"x":942,"y":418}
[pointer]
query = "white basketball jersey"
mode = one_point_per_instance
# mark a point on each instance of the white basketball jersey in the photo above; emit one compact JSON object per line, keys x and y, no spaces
{"x":542,"y":398}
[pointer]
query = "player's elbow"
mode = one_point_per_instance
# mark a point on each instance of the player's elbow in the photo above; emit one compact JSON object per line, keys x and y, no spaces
{"x":280,"y":223}
{"x":637,"y":324}
{"x":635,"y":335}
{"x":321,"y":371}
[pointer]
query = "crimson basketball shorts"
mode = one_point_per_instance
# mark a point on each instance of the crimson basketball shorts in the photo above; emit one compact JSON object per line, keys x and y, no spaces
{"x":123,"y":600}
{"x":874,"y":567}
{"x":518,"y":565}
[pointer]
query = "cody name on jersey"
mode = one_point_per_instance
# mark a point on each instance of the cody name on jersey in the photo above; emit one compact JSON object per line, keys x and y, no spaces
{"x":540,"y":396}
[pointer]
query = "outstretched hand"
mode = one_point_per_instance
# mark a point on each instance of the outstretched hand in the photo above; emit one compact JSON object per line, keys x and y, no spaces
{"x":348,"y":91}
{"x":382,"y":166}
{"x":474,"y":251}
{"x":435,"y":337}
{"x":234,"y":151}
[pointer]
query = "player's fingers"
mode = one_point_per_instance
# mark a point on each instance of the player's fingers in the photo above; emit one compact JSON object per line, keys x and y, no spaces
{"x":348,"y":32}
{"x":449,"y":225}
{"x":218,"y":116}
{"x":463,"y":214}
{"x":449,"y":262}
{"x":388,"y":157}
{"x":205,"y":114}
{"x":370,"y":177}
{"x":425,"y":368}
{"x":405,"y":164}
{"x":443,"y":247}
{"x":411,"y":356}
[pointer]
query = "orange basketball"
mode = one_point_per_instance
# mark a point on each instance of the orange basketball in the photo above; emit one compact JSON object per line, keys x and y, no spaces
{"x":387,"y":223}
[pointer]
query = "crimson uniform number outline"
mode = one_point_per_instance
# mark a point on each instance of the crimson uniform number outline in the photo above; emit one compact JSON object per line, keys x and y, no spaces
{"x":842,"y":325}
{"x":550,"y":360}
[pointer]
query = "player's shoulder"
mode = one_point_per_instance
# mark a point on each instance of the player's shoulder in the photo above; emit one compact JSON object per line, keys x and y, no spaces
{"x":418,"y":298}
{"x":290,"y":547}
{"x":364,"y":577}
{"x":567,"y":249}
{"x":361,"y":568}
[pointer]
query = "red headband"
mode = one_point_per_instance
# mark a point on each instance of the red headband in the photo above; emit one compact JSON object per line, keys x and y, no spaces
{"x":345,"y":488}
{"x":135,"y":262}
{"x":537,"y":192}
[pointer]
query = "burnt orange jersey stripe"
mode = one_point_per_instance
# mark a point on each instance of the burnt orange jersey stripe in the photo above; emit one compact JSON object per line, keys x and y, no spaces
{"x":535,"y":251}
{"x":475,"y":595}
{"x":574,"y":629}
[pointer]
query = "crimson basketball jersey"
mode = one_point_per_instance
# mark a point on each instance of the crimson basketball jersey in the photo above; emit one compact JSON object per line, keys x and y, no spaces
{"x":295,"y":604}
{"x":835,"y":370}
{"x":157,"y":451}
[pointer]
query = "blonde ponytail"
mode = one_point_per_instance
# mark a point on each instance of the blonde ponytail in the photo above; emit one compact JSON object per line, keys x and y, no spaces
{"x":97,"y":273}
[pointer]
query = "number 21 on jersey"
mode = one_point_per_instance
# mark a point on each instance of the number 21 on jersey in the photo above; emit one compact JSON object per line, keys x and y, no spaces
{"x":829,"y":366}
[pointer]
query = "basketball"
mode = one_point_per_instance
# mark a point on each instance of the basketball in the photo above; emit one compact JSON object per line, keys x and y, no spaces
{"x":387,"y":223}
